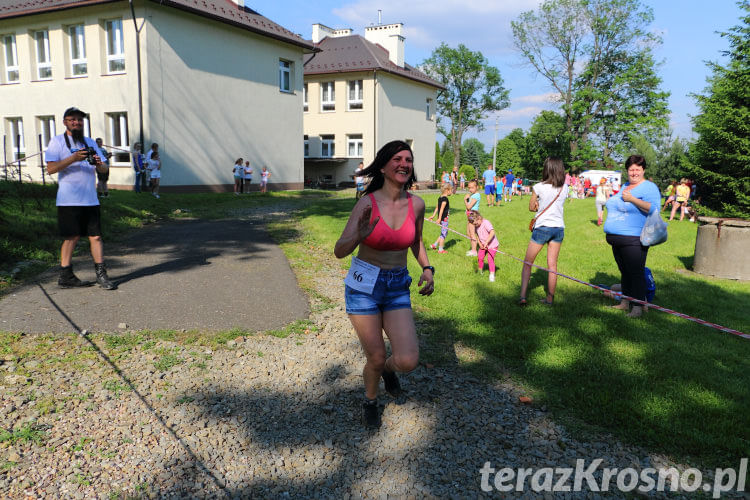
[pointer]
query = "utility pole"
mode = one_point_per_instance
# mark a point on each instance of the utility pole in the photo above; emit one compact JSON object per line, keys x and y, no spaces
{"x":494,"y":147}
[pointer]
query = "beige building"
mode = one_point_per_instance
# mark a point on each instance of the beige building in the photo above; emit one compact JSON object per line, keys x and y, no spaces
{"x":359,"y":94}
{"x":219,"y":81}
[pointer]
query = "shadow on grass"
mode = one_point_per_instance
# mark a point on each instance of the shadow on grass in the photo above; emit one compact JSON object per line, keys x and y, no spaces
{"x":659,"y":381}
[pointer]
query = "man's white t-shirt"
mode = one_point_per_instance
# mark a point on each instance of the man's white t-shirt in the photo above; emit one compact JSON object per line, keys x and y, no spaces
{"x":553,"y":216}
{"x":248,"y":173}
{"x":77,"y":182}
{"x":153,"y":166}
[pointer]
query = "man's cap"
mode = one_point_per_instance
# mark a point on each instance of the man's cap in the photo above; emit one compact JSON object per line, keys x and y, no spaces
{"x":73,"y":111}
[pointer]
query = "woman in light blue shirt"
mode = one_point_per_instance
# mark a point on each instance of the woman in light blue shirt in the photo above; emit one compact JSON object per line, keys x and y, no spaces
{"x":626,"y":216}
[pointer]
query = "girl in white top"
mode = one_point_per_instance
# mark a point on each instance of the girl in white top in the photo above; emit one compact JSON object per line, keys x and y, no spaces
{"x":248,"y":176}
{"x":603,"y":192}
{"x":547,"y":200}
{"x":264,"y":175}
{"x":154,"y":166}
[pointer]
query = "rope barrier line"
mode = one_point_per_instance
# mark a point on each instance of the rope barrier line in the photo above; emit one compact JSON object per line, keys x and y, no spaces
{"x":603,"y":289}
{"x":20,"y":160}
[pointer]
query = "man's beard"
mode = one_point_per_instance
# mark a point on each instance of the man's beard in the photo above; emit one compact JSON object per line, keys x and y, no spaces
{"x":77,"y":134}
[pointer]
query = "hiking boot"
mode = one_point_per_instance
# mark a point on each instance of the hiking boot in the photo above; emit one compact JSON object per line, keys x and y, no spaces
{"x":102,"y":278}
{"x":392,"y":385}
{"x":370,"y":413}
{"x":69,"y":280}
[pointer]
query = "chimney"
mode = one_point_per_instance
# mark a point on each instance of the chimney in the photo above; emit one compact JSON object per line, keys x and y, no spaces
{"x":390,"y":38}
{"x":321,"y":31}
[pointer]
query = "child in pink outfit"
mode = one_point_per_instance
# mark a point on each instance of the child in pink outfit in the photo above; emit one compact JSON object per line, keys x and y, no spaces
{"x":487,"y":241}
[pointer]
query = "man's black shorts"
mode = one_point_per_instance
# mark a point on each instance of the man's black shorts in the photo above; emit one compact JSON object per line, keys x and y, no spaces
{"x":79,"y":221}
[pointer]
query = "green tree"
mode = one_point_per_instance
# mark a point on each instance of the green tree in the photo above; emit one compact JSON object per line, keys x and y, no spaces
{"x":507,"y":156}
{"x":578,"y":46}
{"x":438,"y":160}
{"x":472,"y":88}
{"x":721,"y":154}
{"x":472,"y":153}
{"x":547,"y":136}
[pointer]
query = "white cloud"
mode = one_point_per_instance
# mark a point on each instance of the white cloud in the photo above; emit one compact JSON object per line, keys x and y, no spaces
{"x":479,"y":24}
{"x":549,"y":97}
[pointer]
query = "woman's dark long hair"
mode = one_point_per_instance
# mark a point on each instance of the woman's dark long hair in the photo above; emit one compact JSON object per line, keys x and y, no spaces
{"x":377,"y":179}
{"x":553,"y":172}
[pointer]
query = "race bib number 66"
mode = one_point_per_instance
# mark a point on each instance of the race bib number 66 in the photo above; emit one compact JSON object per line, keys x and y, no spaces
{"x":362,"y":276}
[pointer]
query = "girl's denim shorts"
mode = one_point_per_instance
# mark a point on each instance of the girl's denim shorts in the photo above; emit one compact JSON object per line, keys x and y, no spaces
{"x":544,"y":234}
{"x":391,"y":292}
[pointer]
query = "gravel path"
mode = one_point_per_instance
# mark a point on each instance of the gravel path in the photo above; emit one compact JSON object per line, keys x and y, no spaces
{"x":260,"y":416}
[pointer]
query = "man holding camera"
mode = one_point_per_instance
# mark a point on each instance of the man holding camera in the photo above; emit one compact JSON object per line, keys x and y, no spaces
{"x":76,"y":160}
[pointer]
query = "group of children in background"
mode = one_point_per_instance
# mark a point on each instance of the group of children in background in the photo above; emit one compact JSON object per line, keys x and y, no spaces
{"x":243,"y":176}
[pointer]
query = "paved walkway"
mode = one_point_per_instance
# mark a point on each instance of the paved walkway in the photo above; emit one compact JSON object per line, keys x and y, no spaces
{"x":191,"y":274}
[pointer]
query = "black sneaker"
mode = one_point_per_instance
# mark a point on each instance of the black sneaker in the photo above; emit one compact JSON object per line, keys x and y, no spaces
{"x":392,"y":385}
{"x":69,"y":280}
{"x":370,"y":414}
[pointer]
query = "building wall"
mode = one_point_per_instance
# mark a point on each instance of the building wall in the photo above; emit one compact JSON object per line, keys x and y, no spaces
{"x":341,"y":123}
{"x":210,"y":94}
{"x":402,"y":114}
{"x":97,"y":93}
{"x":213,"y":96}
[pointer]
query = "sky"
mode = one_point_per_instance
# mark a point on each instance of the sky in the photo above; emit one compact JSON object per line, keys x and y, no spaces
{"x":688,"y":29}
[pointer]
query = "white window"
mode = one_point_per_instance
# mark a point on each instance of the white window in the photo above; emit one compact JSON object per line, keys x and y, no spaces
{"x":307,"y":147}
{"x":327,"y":97}
{"x":46,"y":129}
{"x":77,"y":39}
{"x":429,"y":109}
{"x":304,"y":97}
{"x":43,"y":60}
{"x":117,"y":133}
{"x":354,"y":98}
{"x":115,"y":46}
{"x":10,"y":58}
{"x":86,"y":126}
{"x":17,"y":143}
{"x":354,"y":145}
{"x":328,"y":145}
{"x":285,"y":76}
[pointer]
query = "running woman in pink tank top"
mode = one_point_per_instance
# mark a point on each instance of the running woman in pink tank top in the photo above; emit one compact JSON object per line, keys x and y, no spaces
{"x":385,"y":225}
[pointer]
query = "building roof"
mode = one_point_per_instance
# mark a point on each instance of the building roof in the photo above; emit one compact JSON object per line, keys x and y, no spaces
{"x":354,"y":53}
{"x":224,"y":11}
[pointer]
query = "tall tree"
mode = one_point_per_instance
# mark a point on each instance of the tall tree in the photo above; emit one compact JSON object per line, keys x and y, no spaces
{"x":472,"y":89}
{"x":547,"y":136}
{"x":472,"y":153}
{"x":576,"y":45}
{"x":721,"y":154}
{"x":508,"y":157}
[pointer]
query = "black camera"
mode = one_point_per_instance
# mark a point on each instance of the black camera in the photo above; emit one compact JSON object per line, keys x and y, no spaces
{"x":90,"y":152}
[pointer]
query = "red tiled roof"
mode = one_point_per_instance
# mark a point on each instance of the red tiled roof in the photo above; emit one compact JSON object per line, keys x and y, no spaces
{"x":224,"y":11}
{"x":355,"y":53}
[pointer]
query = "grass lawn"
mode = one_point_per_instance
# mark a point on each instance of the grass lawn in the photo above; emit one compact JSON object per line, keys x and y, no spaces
{"x":660,"y":381}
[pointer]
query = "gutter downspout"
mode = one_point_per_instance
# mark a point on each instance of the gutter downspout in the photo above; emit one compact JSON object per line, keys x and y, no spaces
{"x":138,"y":59}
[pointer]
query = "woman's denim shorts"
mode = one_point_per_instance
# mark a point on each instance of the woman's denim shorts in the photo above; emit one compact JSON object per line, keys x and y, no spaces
{"x":544,"y":234}
{"x":391,"y":292}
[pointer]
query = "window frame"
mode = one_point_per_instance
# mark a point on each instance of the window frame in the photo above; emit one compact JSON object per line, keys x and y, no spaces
{"x":356,"y":141}
{"x":45,"y":51}
{"x":80,"y":43}
{"x":355,"y":104}
{"x":325,"y":87}
{"x":305,"y":103}
{"x":327,"y":145}
{"x":429,"y":109}
{"x":47,"y":129}
{"x":15,"y":125}
{"x":112,"y":54}
{"x":8,"y":67}
{"x":306,"y":147}
{"x":285,"y":71}
{"x":122,"y":141}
